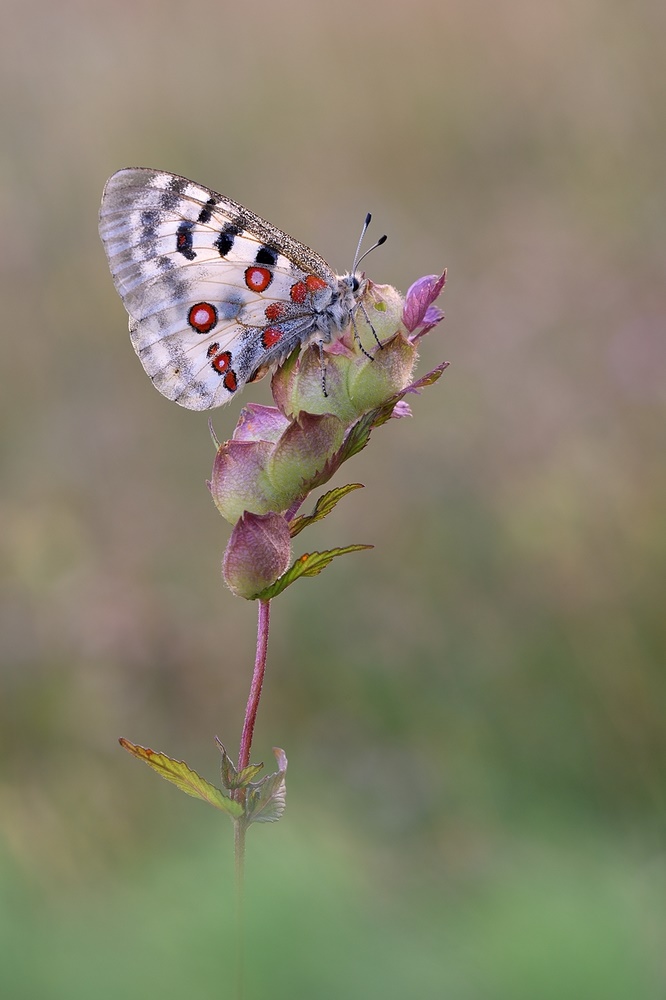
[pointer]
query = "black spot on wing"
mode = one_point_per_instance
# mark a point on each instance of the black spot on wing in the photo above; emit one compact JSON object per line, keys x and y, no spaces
{"x":206,"y":212}
{"x":225,"y":240}
{"x":266,"y":255}
{"x":184,"y":240}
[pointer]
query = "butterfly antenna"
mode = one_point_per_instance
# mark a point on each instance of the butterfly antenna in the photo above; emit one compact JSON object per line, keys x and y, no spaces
{"x":380,"y":241}
{"x":358,"y":248}
{"x":357,"y":259}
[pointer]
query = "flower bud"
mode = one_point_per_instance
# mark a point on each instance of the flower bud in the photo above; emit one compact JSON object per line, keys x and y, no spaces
{"x":257,"y":554}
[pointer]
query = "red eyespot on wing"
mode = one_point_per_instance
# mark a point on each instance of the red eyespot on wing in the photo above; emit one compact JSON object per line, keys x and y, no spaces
{"x":298,"y":291}
{"x":230,"y":382}
{"x":271,"y":336}
{"x":258,"y":279}
{"x":274,"y":311}
{"x":221,"y":362}
{"x":213,"y":349}
{"x":202,"y":317}
{"x":314,"y":284}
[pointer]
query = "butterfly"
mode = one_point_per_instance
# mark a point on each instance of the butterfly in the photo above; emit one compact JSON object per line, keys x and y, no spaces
{"x":216,"y":296}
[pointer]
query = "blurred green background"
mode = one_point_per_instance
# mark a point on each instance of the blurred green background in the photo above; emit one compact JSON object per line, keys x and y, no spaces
{"x":475,"y":711}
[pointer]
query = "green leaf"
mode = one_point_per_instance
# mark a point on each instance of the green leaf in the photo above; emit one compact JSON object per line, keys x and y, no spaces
{"x":248,"y":774}
{"x":309,"y":564}
{"x":231,"y":778}
{"x":227,"y":767}
{"x":359,"y":433}
{"x":266,"y":801}
{"x":383,"y":413}
{"x":181,"y":774}
{"x":358,"y":436}
{"x":430,"y":378}
{"x":324,"y":506}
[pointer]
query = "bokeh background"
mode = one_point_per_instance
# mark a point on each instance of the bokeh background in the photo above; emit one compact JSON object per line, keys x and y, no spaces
{"x":475,"y":711}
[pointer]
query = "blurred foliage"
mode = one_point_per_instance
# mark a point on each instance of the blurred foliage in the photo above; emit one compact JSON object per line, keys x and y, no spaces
{"x":474,"y":713}
{"x":541,"y":922}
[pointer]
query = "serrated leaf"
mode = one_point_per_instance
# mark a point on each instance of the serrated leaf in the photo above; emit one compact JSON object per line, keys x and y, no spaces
{"x":309,"y":564}
{"x":182,"y":776}
{"x":231,"y":777}
{"x":359,"y":433}
{"x":267,"y":800}
{"x":324,"y":506}
{"x":428,"y":379}
{"x":248,"y":774}
{"x":357,"y":438}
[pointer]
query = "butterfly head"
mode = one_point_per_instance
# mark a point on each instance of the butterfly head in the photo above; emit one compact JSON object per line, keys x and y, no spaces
{"x":353,"y":285}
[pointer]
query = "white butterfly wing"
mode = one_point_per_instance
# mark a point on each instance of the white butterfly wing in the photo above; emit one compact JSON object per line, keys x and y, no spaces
{"x":213,"y":291}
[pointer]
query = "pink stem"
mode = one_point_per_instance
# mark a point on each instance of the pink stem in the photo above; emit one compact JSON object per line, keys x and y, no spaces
{"x":293,"y":510}
{"x":263,"y":624}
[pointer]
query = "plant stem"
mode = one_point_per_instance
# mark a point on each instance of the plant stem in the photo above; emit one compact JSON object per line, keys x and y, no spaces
{"x":293,"y":510}
{"x":263,"y":625}
{"x":239,"y":852}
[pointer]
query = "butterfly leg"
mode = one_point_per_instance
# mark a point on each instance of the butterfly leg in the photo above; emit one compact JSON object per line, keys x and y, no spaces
{"x":357,"y":337}
{"x":367,"y":320}
{"x":322,"y":366}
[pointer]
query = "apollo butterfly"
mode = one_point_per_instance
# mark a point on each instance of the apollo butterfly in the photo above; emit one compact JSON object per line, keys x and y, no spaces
{"x":216,"y":296}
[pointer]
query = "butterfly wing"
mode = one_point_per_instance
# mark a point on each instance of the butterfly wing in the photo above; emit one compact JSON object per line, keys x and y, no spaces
{"x":214,"y":293}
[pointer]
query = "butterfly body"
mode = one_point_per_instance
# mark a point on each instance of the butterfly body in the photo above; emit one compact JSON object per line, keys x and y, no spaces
{"x":216,"y":295}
